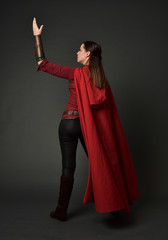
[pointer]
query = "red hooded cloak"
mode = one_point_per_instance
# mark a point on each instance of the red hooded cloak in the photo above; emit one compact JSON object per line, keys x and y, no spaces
{"x":112,"y":183}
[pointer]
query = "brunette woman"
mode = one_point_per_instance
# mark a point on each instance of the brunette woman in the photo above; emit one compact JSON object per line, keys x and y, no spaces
{"x":91,"y":116}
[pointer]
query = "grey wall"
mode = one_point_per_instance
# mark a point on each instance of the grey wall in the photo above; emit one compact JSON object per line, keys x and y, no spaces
{"x":133,"y":36}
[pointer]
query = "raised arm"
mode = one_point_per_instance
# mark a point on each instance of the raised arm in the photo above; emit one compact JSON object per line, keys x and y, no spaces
{"x":44,"y":65}
{"x":57,"y":70}
{"x":38,"y":46}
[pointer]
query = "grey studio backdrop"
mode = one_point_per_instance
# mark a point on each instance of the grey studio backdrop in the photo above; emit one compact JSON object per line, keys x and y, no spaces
{"x":133,"y":36}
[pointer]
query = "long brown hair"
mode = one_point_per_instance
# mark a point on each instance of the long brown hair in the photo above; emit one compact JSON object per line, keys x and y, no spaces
{"x":95,"y":65}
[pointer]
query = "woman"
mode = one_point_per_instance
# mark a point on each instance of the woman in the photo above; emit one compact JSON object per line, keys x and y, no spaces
{"x":91,"y":115}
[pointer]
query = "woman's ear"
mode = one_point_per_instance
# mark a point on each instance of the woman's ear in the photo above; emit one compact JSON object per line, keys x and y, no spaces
{"x":88,"y":53}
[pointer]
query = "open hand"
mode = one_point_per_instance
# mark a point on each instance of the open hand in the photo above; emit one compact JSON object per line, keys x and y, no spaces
{"x":36,"y":30}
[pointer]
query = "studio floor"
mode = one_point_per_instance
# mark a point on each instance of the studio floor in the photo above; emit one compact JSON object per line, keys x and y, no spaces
{"x":25,"y":215}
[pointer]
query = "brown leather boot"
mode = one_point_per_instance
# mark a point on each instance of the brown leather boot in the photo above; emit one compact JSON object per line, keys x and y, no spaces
{"x":66,"y":185}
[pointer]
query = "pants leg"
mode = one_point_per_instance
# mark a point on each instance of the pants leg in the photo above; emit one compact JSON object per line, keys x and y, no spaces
{"x":83,"y":142}
{"x":69,"y":132}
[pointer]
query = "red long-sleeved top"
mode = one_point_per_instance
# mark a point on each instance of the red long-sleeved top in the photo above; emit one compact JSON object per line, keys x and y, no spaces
{"x":62,"y":72}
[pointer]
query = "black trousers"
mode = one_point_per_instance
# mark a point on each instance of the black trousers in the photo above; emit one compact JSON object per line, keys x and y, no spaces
{"x":69,"y":131}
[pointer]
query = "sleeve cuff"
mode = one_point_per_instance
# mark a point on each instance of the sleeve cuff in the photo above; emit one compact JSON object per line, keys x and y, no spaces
{"x":42,"y":64}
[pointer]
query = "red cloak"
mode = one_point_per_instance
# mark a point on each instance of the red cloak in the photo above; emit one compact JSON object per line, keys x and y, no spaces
{"x":112,"y":183}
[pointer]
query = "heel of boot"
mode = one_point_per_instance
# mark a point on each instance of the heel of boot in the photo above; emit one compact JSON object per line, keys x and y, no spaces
{"x":60,"y":213}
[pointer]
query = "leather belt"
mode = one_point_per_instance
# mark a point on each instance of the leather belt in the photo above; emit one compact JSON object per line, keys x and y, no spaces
{"x":71,"y":112}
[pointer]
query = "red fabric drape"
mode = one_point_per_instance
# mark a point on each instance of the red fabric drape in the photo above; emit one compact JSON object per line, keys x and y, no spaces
{"x":112,"y":183}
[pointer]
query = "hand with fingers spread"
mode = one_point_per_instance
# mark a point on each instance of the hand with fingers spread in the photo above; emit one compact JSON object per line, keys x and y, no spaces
{"x":36,"y":30}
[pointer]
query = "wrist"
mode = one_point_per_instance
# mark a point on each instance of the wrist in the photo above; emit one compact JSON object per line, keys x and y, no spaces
{"x":36,"y":34}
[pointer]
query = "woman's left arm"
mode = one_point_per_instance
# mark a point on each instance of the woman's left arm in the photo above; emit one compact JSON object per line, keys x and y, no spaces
{"x":38,"y":46}
{"x":57,"y":70}
{"x":44,"y":65}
